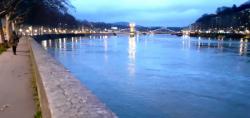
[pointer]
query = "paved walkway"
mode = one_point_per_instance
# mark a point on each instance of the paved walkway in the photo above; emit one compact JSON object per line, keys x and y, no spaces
{"x":16,"y":100}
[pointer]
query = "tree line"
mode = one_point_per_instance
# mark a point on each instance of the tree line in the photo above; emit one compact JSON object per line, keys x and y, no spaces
{"x":14,"y":13}
{"x":47,"y":13}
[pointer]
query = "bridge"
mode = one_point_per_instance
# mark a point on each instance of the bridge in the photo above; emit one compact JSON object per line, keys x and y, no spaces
{"x":162,"y":30}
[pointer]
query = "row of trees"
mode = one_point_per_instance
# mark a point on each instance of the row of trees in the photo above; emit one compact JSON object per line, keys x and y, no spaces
{"x":13,"y":13}
{"x":43,"y":14}
{"x":226,"y":18}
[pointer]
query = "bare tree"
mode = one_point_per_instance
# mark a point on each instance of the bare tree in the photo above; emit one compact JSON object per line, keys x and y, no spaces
{"x":14,"y":11}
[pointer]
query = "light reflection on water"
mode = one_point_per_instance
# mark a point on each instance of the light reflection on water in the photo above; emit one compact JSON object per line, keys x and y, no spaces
{"x":161,"y":76}
{"x":132,"y":55}
{"x":243,"y":47}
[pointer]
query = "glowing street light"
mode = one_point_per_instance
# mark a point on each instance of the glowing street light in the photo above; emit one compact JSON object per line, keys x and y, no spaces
{"x":30,"y":29}
{"x":247,"y":31}
{"x":27,"y":31}
{"x":50,"y":30}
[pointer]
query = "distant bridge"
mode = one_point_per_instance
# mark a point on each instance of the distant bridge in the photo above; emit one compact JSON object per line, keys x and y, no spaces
{"x":162,"y":30}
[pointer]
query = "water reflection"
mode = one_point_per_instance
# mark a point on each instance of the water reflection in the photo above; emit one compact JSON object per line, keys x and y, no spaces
{"x":199,"y":43}
{"x":220,"y":44}
{"x":132,"y":54}
{"x":243,"y":47}
{"x":60,"y":43}
{"x":105,"y":43}
{"x":132,"y":48}
{"x":154,"y":74}
{"x":50,"y":43}
{"x":230,"y":43}
{"x":64,"y":43}
{"x":72,"y":43}
{"x":186,"y":42}
{"x":44,"y":44}
{"x":209,"y":42}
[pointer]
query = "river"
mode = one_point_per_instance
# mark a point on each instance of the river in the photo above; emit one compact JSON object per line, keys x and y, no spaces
{"x":161,"y":76}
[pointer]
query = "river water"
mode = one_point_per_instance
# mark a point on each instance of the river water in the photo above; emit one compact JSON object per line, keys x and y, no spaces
{"x":161,"y":76}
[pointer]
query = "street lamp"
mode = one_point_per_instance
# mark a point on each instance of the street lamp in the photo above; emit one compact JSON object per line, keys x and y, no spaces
{"x":30,"y":29}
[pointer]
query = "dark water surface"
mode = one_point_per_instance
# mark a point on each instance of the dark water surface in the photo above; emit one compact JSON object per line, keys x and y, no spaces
{"x":161,"y":76}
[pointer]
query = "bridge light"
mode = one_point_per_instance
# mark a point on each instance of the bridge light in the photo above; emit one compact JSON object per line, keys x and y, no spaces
{"x":132,"y":27}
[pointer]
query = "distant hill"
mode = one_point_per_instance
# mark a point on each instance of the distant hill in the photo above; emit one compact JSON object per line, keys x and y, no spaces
{"x":246,"y":3}
{"x":235,"y":17}
{"x":121,"y":23}
{"x":103,"y":25}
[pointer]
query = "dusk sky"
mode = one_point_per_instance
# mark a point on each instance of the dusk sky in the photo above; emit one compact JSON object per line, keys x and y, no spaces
{"x":147,"y":12}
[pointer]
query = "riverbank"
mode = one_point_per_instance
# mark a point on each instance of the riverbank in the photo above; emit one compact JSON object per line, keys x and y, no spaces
{"x":61,"y":94}
{"x":221,"y":35}
{"x":218,"y":35}
{"x":16,"y":99}
{"x":56,"y":36}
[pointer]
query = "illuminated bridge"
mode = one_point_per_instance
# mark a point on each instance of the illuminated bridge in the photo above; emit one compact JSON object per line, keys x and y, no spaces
{"x":162,"y":30}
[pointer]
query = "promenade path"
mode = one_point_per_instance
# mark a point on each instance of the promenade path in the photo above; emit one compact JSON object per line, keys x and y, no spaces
{"x":16,"y":100}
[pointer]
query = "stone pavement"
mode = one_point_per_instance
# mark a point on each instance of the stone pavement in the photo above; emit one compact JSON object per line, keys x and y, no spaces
{"x":16,"y":100}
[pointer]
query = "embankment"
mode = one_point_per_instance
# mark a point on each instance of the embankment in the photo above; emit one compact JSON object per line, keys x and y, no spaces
{"x":61,"y":94}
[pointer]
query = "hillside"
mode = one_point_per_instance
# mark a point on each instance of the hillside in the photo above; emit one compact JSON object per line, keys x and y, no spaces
{"x":226,"y":18}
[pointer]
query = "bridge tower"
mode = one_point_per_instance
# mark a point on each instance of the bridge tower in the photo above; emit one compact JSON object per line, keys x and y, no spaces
{"x":132,"y":29}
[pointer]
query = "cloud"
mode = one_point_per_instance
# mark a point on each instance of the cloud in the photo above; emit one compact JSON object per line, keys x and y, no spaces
{"x":148,"y":12}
